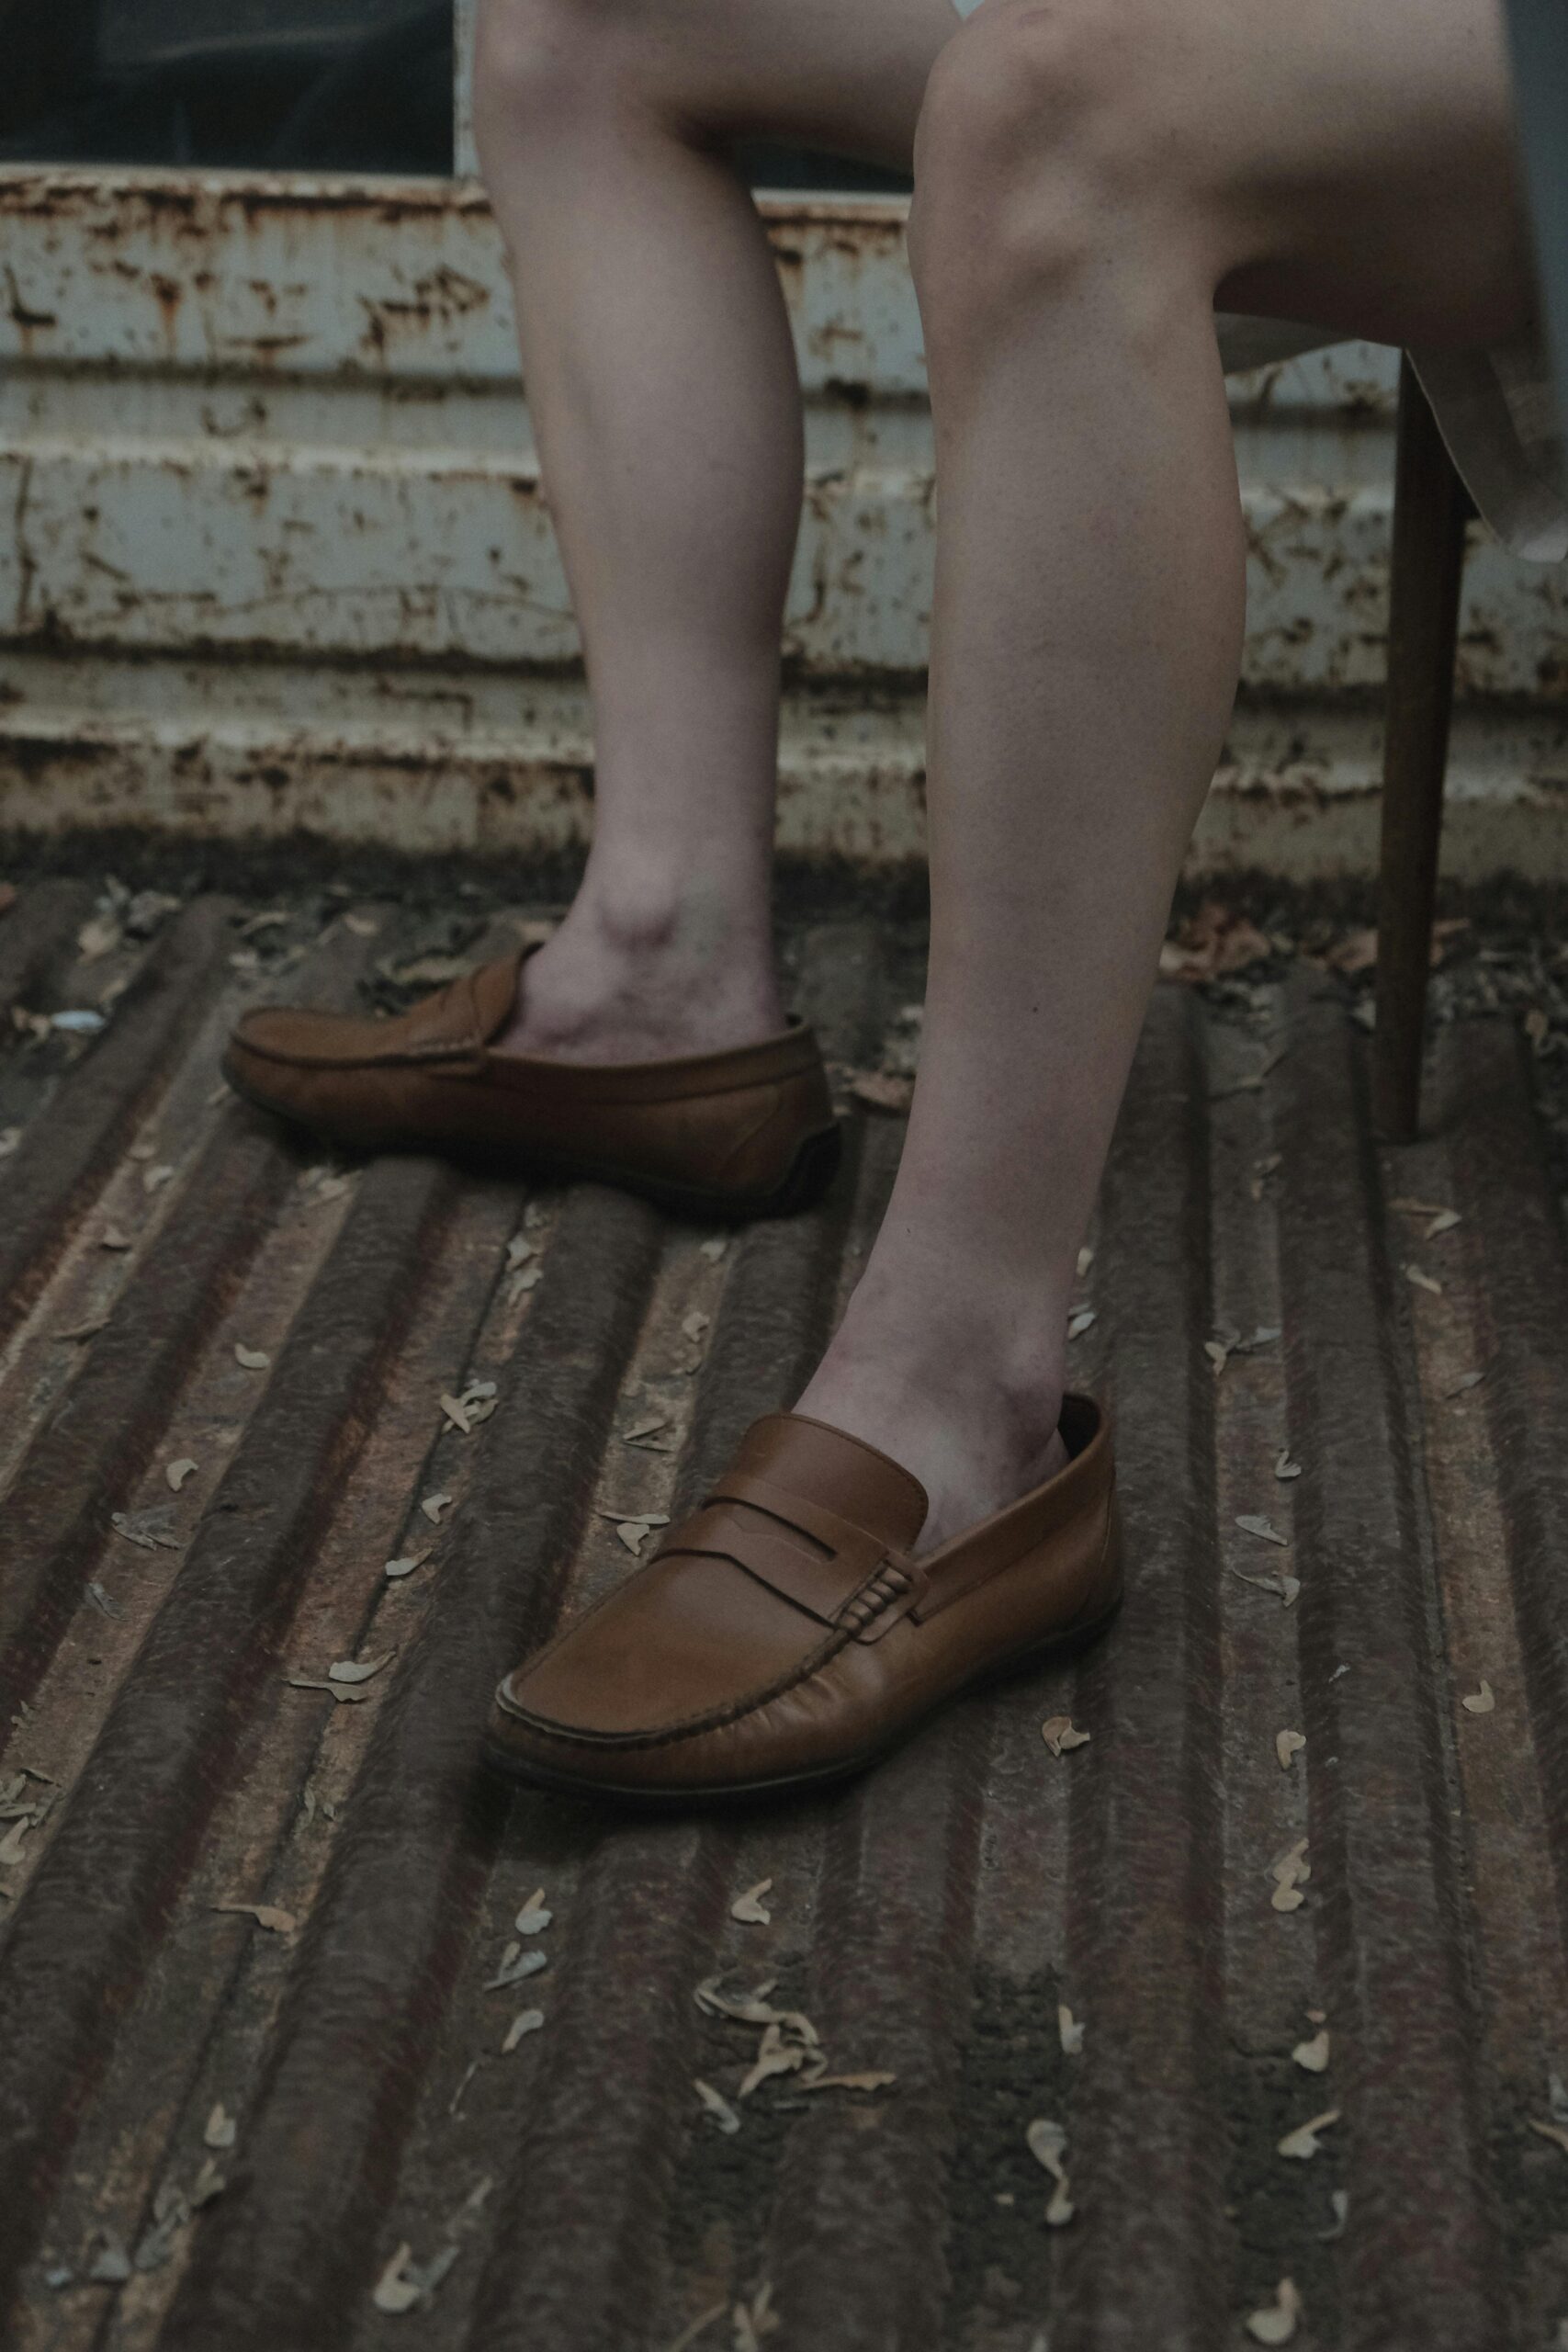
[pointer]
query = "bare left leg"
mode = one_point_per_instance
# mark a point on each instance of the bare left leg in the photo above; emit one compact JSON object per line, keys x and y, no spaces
{"x":1088,"y":174}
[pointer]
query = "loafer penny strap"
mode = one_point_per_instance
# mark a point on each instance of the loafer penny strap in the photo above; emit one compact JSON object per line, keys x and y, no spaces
{"x":807,"y":1555}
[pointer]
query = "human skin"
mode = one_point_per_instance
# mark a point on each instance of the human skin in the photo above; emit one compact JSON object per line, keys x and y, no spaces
{"x":1091,"y":177}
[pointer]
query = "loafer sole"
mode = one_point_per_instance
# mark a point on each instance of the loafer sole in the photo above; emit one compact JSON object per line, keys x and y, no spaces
{"x":527,"y":1773}
{"x":810,"y":1172}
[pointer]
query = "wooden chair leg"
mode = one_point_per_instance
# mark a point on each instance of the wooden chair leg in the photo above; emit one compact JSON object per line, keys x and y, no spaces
{"x":1431,"y":508}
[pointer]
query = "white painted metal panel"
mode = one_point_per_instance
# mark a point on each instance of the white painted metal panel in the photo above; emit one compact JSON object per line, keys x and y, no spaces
{"x":280,"y":555}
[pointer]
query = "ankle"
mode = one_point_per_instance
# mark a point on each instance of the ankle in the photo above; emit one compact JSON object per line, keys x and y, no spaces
{"x":629,"y":978}
{"x":969,"y":1404}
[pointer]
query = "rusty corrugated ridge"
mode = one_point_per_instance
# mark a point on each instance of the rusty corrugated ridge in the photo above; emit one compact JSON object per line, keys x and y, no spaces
{"x":326,"y":2123}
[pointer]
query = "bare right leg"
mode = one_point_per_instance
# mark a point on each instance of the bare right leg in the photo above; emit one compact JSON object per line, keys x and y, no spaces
{"x":663,"y":387}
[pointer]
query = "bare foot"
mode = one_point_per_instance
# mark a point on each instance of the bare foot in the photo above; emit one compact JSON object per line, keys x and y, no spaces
{"x":976,"y":1437}
{"x":645,"y":989}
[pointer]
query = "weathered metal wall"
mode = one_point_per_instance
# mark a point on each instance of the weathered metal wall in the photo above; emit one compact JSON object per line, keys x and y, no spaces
{"x":278,"y":551}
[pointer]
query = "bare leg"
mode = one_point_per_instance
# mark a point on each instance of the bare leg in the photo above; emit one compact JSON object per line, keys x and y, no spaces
{"x":1088,"y":174}
{"x":662,"y":386}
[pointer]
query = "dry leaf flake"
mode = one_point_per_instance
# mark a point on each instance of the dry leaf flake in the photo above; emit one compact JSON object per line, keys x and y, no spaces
{"x":1254,"y":1524}
{"x":1313,"y":2056}
{"x":717,"y":2107}
{"x":353,"y":1670}
{"x":476,"y":1403}
{"x":1048,"y":2146}
{"x":1556,"y":2133}
{"x":1060,"y":1734}
{"x":176,"y":1472}
{"x":534,"y":1918}
{"x":1285,"y":1467}
{"x":516,"y":1965}
{"x":344,"y":1696}
{"x":1288,"y":1587}
{"x":1482,"y":1702}
{"x":644,"y":1435}
{"x":251,"y":1359}
{"x":1069,"y":2030}
{"x":755,"y":2320}
{"x":1289,"y":1874}
{"x":406,"y":1567}
{"x":1424,"y":1280}
{"x":433,"y":1506}
{"x":1081,"y":1321}
{"x":1304,"y":2142}
{"x":1276,"y":2321}
{"x":749,"y":1909}
{"x":265,"y":1915}
{"x":221,"y":2130}
{"x":1288,"y":1743}
{"x":882,"y":1092}
{"x":526,"y":2021}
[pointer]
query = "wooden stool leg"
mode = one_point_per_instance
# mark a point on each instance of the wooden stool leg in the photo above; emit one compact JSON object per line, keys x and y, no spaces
{"x":1431,"y":508}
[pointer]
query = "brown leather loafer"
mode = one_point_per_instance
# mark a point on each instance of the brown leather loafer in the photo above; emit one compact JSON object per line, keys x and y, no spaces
{"x":749,"y":1132}
{"x":783,"y":1636}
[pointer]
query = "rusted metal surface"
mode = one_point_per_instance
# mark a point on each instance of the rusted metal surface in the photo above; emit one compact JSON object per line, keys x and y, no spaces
{"x":933,"y":1920}
{"x":279,"y":556}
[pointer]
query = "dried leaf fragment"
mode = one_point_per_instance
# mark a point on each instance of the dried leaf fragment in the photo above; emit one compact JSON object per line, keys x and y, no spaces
{"x":1082,"y":1319}
{"x":100,"y":935}
{"x":1288,"y":1743}
{"x":1285,"y":1465}
{"x":144,"y":1530}
{"x":1424,"y":1280}
{"x":266,"y":1914}
{"x":1069,"y":2032}
{"x":221,"y":2130}
{"x":1288,"y":1587}
{"x":1313,"y":2056}
{"x":755,"y":2320}
{"x":749,"y":1909}
{"x":396,"y":1569}
{"x":1048,"y":2146}
{"x":355,"y":1669}
{"x":534,"y":1918}
{"x":526,"y":2021}
{"x":1254,"y":1524}
{"x":1289,"y":1874}
{"x":649,"y":1427}
{"x":433,"y":1506}
{"x":1304,"y":2142}
{"x":344,"y":1697}
{"x":176,"y":1472}
{"x":515,"y":1965}
{"x":1556,"y":2133}
{"x":251,"y":1359}
{"x":1482,"y":1702}
{"x":1276,"y":2321}
{"x":1060,"y":1734}
{"x":395,"y":2291}
{"x":110,"y":2267}
{"x":1466,"y":1381}
{"x":694,"y":1325}
{"x":869,"y":2081}
{"x":882,"y":1092}
{"x":774,"y":2056}
{"x":717,"y":2107}
{"x":715,"y":1247}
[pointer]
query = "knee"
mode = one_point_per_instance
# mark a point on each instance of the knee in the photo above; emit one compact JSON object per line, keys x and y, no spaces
{"x":1035,"y":144}
{"x":538,"y":65}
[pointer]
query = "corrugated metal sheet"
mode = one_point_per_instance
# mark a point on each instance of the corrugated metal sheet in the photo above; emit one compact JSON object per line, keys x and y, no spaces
{"x":165,"y":1653}
{"x":279,"y":555}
